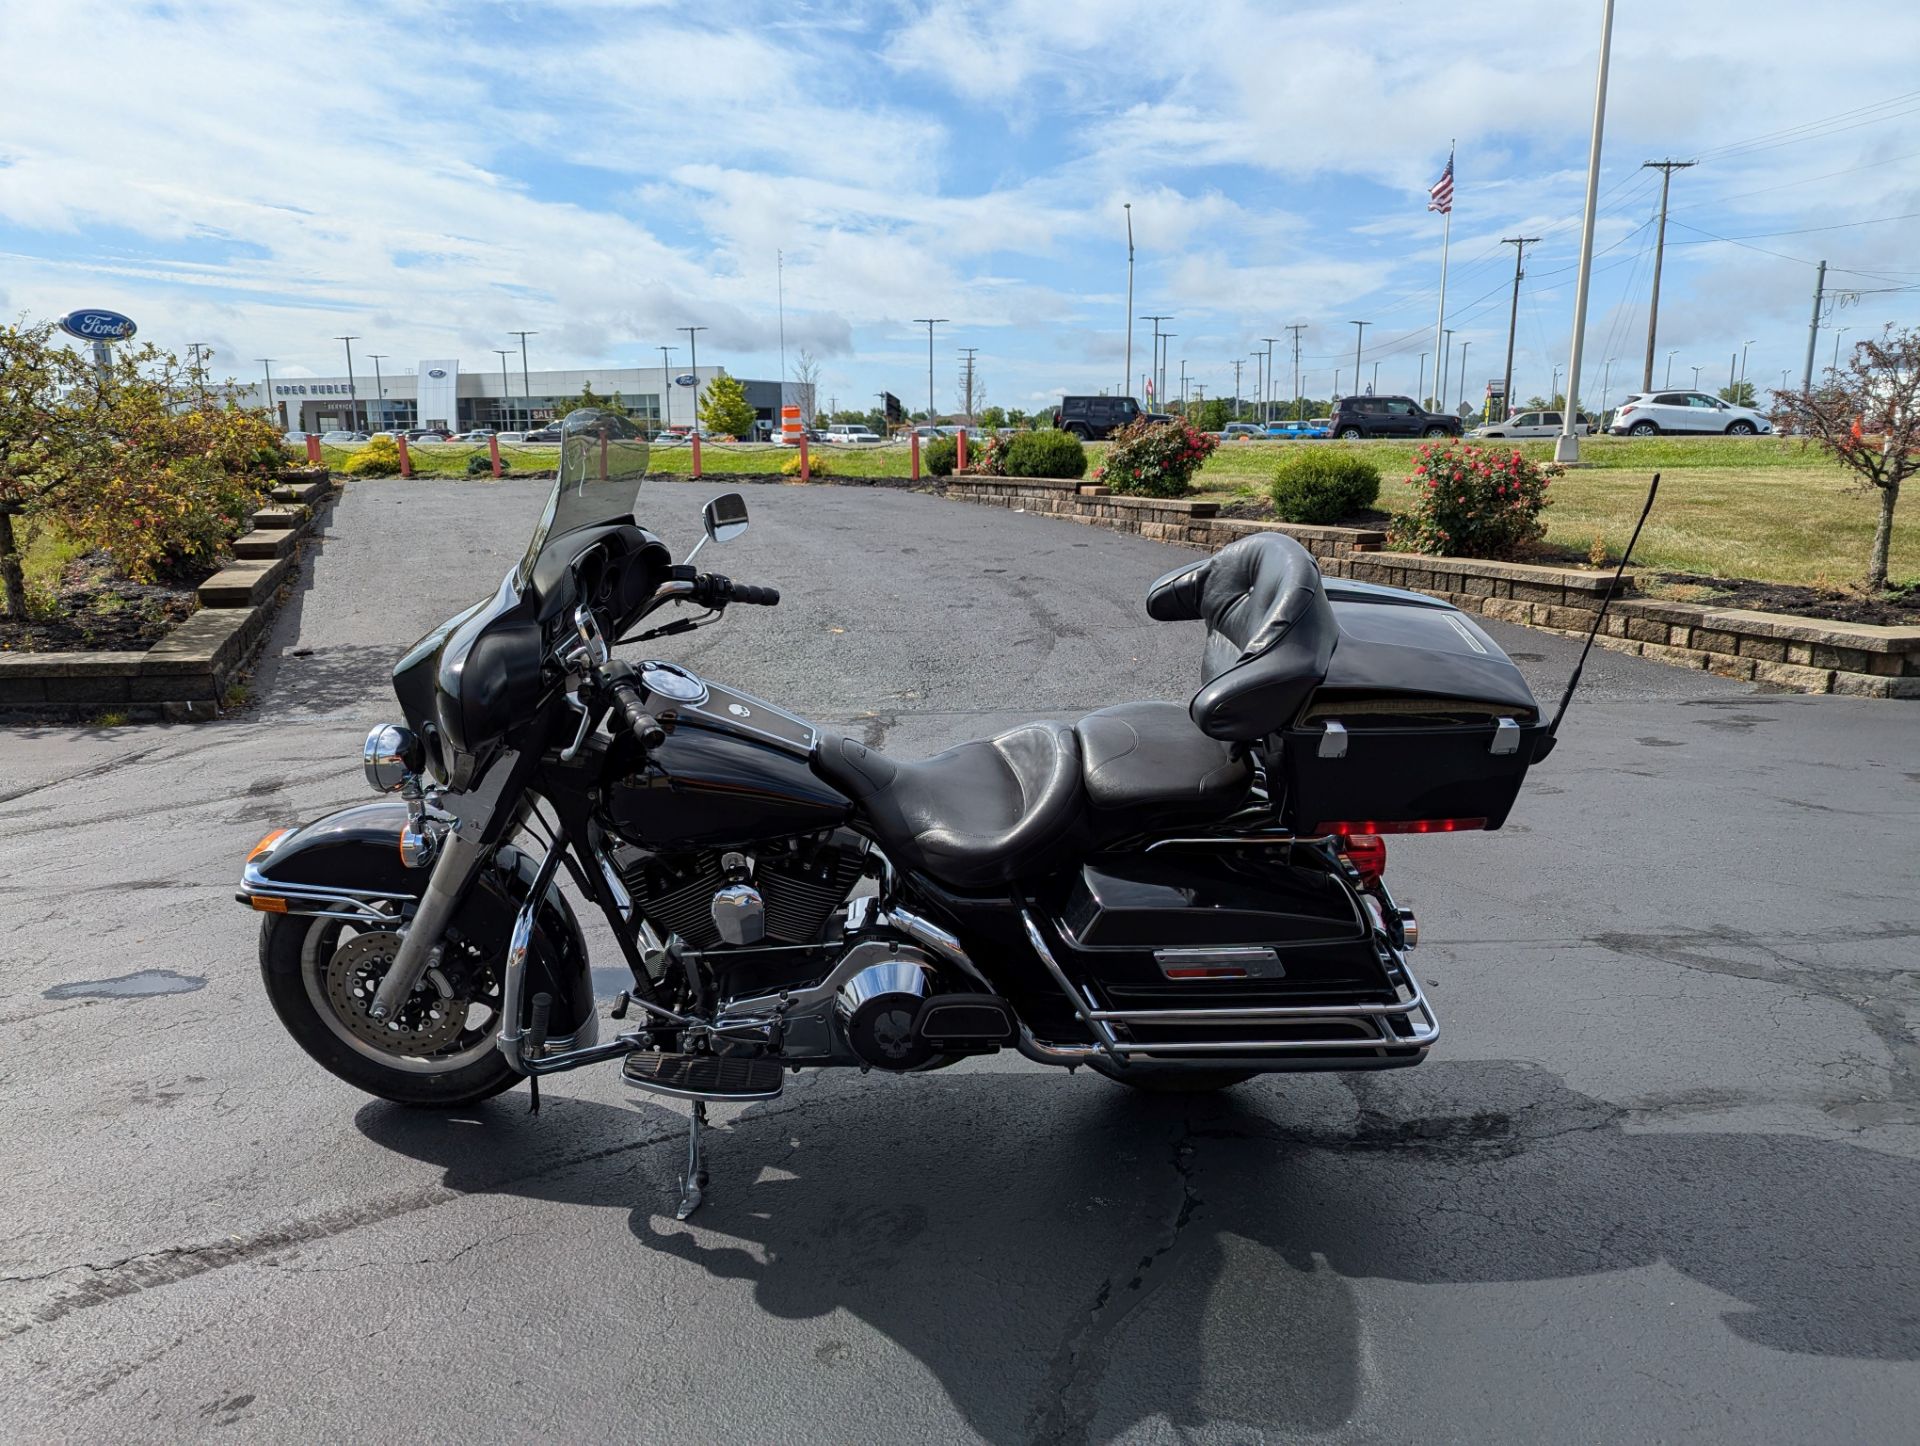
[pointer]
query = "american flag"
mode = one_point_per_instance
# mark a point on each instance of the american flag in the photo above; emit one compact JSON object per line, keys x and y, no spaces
{"x":1440,"y":198}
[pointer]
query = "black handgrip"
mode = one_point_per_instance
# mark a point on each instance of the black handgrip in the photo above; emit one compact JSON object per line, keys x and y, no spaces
{"x":647,"y":731}
{"x":746,"y":592}
{"x":717,"y":590}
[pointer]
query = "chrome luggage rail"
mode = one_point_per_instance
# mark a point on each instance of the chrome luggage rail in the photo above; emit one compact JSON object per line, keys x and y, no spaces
{"x":1375,"y":1041}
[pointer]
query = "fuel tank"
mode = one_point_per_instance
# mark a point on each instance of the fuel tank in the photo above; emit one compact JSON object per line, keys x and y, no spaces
{"x":705,"y":788}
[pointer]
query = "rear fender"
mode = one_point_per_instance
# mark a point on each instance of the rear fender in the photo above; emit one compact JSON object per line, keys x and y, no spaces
{"x":348,"y":865}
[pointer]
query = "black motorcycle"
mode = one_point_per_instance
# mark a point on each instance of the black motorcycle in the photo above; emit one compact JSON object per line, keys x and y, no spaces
{"x":1177,"y":896}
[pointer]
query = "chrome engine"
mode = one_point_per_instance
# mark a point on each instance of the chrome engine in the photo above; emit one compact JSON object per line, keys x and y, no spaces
{"x":798,"y":884}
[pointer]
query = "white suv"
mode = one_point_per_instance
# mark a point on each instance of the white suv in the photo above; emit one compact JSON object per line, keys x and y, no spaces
{"x":851,"y":432}
{"x":1533,"y":424}
{"x":1645,"y":413}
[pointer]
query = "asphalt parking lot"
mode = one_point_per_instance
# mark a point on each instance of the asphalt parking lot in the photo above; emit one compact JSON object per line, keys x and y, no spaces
{"x":1658,"y":1180}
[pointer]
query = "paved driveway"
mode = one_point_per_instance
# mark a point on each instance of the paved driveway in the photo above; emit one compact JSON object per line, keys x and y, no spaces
{"x":1658,"y":1180}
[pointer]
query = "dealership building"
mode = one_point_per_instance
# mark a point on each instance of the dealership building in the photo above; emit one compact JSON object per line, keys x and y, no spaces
{"x":440,"y":393}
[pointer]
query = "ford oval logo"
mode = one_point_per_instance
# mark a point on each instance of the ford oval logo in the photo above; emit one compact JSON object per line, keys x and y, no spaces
{"x":437,"y":373}
{"x":98,"y":325}
{"x":685,"y":379}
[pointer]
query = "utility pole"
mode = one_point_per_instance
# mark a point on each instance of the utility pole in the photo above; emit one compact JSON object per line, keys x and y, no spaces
{"x":1373,"y":390}
{"x":1165,"y":360}
{"x":1236,"y":389}
{"x":693,"y":354}
{"x":1606,"y":377}
{"x":929,"y":322}
{"x":1153,"y":367}
{"x":1519,"y":245}
{"x":1813,"y":329}
{"x":1260,"y":381}
{"x":353,"y":397}
{"x":780,"y":301}
{"x":1446,"y":365}
{"x":379,"y":383}
{"x":967,"y":352}
{"x":1183,"y":386}
{"x":1296,"y":328}
{"x":1463,"y":376}
{"x":1126,"y":377}
{"x":272,"y":406}
{"x":1566,"y":447}
{"x":526,"y":386}
{"x":666,"y":382}
{"x":1266,"y":397}
{"x":1359,"y":331}
{"x":506,"y":387}
{"x":1420,"y":387}
{"x":1554,"y":390}
{"x":1666,"y":170}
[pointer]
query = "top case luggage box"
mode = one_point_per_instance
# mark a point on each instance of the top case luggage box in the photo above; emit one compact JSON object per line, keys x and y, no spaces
{"x":1422,"y":723}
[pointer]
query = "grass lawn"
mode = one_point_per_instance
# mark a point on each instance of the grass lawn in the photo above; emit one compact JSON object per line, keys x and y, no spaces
{"x":1760,"y":507}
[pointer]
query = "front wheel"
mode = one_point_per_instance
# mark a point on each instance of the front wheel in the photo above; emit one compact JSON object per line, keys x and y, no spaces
{"x":1074,"y":429}
{"x":1435,"y":432}
{"x":440,"y":1050}
{"x":1162,"y":1079}
{"x":1350,"y":434}
{"x":1741,"y":429}
{"x":1643,"y":429}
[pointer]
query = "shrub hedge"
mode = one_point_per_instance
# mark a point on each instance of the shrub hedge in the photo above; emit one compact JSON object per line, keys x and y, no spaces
{"x":940,"y":456}
{"x":1322,"y":486}
{"x":1044,"y":454}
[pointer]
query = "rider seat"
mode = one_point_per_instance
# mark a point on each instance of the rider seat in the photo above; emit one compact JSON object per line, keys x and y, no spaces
{"x":976,"y":815}
{"x":1148,"y":767}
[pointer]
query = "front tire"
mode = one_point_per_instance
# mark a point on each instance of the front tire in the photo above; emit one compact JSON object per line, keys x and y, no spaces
{"x":295,"y":952}
{"x":1741,"y":429}
{"x":1350,"y":434}
{"x":1161,"y":1079}
{"x":1643,"y":429}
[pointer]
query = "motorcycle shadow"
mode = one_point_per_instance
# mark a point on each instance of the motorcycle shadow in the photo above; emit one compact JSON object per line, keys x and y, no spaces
{"x":1068,"y":1257}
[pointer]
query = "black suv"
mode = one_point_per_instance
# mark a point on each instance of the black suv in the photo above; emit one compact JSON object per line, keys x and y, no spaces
{"x":1390,"y":417}
{"x":1093,"y":418}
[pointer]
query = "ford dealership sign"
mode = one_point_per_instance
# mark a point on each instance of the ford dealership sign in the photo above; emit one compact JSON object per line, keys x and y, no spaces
{"x":436,"y":372}
{"x":685,"y":379}
{"x":98,"y":325}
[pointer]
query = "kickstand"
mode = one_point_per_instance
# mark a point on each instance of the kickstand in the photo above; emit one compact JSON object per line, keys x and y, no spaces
{"x":696,"y":1183}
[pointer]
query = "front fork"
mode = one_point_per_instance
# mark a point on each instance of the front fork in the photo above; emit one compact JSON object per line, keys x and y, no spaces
{"x":422,"y":939}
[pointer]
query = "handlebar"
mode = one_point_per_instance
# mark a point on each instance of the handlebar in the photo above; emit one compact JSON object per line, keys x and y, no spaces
{"x":647,"y":731}
{"x":717,"y":590}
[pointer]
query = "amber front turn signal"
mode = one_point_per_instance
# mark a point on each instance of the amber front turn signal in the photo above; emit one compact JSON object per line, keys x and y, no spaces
{"x":266,"y":843}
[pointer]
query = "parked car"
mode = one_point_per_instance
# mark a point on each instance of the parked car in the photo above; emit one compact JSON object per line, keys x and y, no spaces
{"x":1357,"y":416}
{"x":429,"y":434}
{"x":853,"y":432}
{"x":1533,"y":424}
{"x":294,"y":439}
{"x":507,"y":438}
{"x":1092,"y":418}
{"x":342,"y":438}
{"x":542,"y":436}
{"x":1244,"y":432}
{"x":1646,"y":413}
{"x":1301,"y":431}
{"x":478,"y":434}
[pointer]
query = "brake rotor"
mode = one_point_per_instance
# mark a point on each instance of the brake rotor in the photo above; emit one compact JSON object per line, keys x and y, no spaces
{"x":427,"y":1021}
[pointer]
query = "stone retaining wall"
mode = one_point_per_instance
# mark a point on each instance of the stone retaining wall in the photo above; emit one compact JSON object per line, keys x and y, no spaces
{"x":186,"y":674}
{"x":1803,"y":654}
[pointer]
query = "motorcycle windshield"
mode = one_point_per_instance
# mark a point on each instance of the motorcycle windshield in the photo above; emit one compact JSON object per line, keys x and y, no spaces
{"x":603,"y":456}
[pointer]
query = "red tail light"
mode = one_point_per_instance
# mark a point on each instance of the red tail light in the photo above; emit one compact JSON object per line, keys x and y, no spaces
{"x":1623,"y":411}
{"x":1204,"y":971}
{"x":1404,"y":825}
{"x":1367,"y":852}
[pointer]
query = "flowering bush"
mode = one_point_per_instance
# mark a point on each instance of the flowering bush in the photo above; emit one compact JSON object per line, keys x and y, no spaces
{"x":378,"y":458}
{"x":986,"y":456}
{"x":1154,"y":459}
{"x":1473,"y":502}
{"x":816,"y":466}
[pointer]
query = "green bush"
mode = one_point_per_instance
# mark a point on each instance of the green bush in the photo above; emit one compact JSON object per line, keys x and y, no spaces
{"x":1320,"y":485}
{"x":940,"y":456}
{"x":378,"y":458}
{"x":1045,"y":454}
{"x":1473,"y":502}
{"x":481,"y":465}
{"x":1155,"y":459}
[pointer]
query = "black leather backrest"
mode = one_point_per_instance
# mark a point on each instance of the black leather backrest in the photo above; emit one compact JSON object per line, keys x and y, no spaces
{"x":1270,"y":632}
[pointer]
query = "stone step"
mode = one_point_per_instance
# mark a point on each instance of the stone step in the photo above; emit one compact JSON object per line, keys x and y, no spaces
{"x":279,"y":518}
{"x":301,"y":492}
{"x":244,"y":584}
{"x":265,"y":543}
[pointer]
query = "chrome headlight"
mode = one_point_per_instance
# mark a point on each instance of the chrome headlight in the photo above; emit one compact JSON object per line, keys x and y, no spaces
{"x":392,"y":755}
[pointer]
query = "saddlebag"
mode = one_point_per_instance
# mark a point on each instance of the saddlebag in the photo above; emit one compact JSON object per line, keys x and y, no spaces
{"x":1421,"y":725}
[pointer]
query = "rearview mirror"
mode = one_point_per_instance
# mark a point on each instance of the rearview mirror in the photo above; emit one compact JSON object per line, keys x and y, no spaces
{"x":725,"y":517}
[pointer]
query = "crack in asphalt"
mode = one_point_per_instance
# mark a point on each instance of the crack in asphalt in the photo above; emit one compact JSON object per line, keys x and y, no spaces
{"x":1068,"y":1400}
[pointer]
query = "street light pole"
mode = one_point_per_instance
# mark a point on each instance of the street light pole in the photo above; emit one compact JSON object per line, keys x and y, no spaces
{"x":1835,"y":368}
{"x":353,"y":397}
{"x":1519,"y":245}
{"x":1420,"y":388}
{"x":1359,"y":332}
{"x":1606,"y":387}
{"x":1126,"y":379}
{"x":272,"y":406}
{"x":1670,"y":356}
{"x":526,"y":386}
{"x":1463,"y":376}
{"x":1567,"y":449}
{"x":1743,"y":359}
{"x":1266,"y":397}
{"x":666,"y":382}
{"x":506,"y":387}
{"x":379,"y":383}
{"x":930,"y":322}
{"x":693,"y":363}
{"x":1696,"y":379}
{"x":1296,"y":328}
{"x":1153,"y":367}
{"x":1446,"y":365}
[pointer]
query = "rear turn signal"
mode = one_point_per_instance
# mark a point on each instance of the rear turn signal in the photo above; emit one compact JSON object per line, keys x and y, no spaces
{"x":1367,"y":852}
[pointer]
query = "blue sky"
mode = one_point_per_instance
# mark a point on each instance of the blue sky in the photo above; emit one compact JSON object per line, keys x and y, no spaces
{"x":430,"y":176}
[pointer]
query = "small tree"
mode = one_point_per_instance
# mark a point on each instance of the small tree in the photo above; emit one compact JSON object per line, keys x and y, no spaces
{"x":806,"y":376}
{"x":1741,"y":394}
{"x":588,"y":398}
{"x":725,"y":408}
{"x":1867,"y":417}
{"x":50,"y":428}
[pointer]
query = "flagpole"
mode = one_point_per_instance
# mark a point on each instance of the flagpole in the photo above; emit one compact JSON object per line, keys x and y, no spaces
{"x":1446,"y":240}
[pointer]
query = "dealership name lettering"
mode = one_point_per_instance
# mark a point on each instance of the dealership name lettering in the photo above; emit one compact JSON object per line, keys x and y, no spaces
{"x":319,"y":389}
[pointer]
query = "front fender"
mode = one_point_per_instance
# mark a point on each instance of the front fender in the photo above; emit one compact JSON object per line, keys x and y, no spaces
{"x":348,"y":864}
